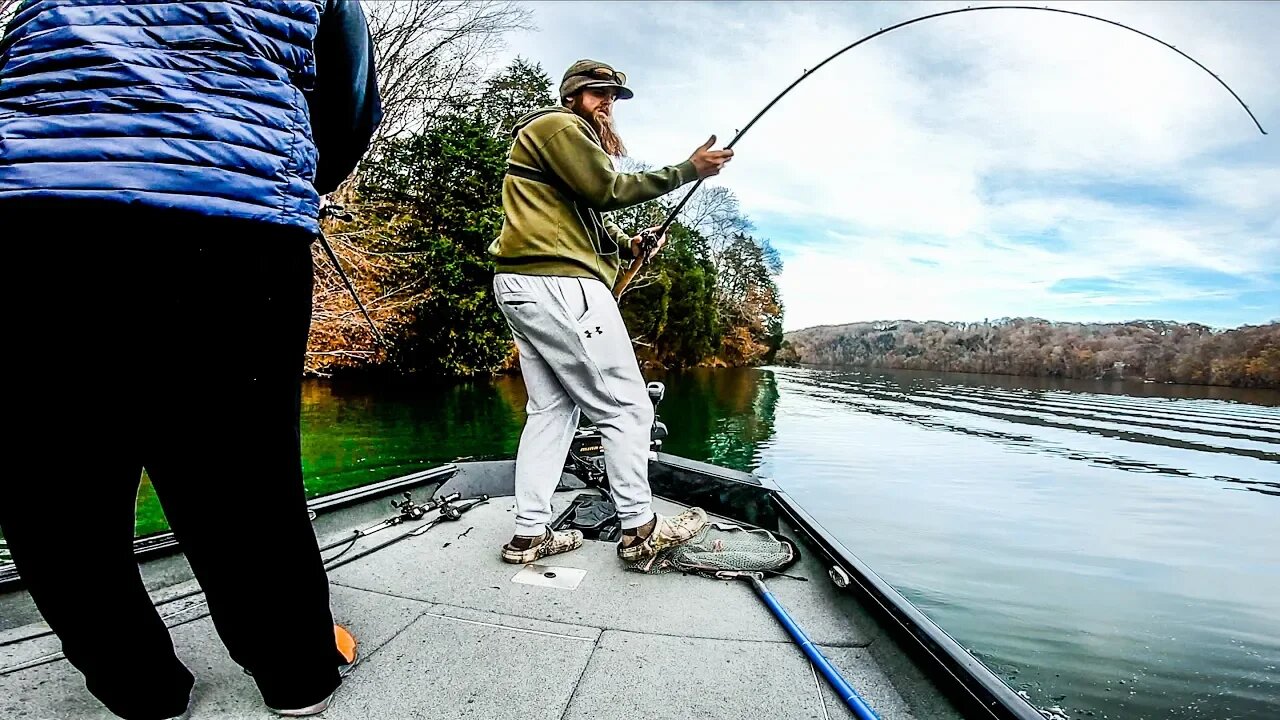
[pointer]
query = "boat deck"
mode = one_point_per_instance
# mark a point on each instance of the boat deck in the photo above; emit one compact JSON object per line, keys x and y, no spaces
{"x":445,"y":632}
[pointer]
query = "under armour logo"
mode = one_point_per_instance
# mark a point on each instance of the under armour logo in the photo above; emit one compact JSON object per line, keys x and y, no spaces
{"x":598,"y":331}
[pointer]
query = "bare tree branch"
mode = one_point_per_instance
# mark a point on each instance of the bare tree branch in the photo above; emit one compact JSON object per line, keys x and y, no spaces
{"x":427,"y":53}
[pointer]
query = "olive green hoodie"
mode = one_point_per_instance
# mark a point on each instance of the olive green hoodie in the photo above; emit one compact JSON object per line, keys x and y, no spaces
{"x":552,"y":225}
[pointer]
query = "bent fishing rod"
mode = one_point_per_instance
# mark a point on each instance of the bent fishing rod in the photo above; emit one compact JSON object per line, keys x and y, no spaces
{"x":649,"y":239}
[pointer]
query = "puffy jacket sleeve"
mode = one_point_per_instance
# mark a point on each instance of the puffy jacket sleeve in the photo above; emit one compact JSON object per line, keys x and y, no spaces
{"x":345,"y":105}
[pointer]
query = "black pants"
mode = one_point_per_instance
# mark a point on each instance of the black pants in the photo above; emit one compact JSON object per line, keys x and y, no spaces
{"x":175,"y":346}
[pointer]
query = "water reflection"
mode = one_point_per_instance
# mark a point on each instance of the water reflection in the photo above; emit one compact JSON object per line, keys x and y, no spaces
{"x":1019,"y":420}
{"x":723,"y":416}
{"x":355,"y":434}
{"x":1078,"y":540}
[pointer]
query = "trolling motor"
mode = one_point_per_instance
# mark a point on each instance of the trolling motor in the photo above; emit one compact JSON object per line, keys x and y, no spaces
{"x":657,"y":391}
{"x":586,"y":452}
{"x":596,"y":516}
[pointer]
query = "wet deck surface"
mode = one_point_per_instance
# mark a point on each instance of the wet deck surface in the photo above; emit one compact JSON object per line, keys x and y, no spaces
{"x":446,"y":633}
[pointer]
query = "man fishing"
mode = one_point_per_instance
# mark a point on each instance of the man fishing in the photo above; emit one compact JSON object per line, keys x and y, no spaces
{"x":557,"y":260}
{"x":161,"y":166}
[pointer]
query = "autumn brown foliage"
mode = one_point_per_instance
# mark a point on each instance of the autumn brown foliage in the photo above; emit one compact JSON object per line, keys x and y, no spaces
{"x":1155,"y":350}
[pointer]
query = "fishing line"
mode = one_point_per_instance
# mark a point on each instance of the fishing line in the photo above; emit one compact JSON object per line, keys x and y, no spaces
{"x":651,"y":238}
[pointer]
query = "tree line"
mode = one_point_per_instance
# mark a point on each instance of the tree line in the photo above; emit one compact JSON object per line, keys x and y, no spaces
{"x":426,"y":203}
{"x":1247,"y":356}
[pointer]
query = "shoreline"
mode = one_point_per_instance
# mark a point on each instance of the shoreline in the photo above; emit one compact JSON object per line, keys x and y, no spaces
{"x":1127,"y":381}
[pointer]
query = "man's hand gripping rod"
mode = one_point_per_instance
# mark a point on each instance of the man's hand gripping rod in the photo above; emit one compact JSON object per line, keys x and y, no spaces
{"x":648,"y":242}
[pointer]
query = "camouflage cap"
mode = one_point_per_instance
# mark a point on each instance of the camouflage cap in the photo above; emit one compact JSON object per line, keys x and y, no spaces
{"x":593,"y":74}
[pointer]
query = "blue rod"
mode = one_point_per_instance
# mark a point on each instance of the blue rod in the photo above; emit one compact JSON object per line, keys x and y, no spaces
{"x":842,"y":687}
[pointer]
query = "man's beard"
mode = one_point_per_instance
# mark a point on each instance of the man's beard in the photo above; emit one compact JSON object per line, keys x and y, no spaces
{"x":610,"y":141}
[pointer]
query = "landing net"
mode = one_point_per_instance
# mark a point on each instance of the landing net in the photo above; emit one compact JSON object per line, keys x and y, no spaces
{"x":722,"y":547}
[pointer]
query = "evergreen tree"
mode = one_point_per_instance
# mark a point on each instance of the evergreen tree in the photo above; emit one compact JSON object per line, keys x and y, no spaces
{"x":519,"y":89}
{"x":430,"y":203}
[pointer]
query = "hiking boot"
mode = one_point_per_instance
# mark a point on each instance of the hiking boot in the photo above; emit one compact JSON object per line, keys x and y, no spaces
{"x":668,"y":532}
{"x":552,"y":542}
{"x":349,"y":655}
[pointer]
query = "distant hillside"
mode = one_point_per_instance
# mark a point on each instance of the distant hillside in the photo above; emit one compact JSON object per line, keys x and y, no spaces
{"x":1248,"y":356}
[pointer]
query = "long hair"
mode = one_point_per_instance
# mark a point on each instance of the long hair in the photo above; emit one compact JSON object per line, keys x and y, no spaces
{"x":610,"y":142}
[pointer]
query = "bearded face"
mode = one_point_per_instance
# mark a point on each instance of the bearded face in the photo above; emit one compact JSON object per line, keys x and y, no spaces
{"x":596,"y":107}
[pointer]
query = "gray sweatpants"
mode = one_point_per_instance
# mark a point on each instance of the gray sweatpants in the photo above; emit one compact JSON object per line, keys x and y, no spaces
{"x":576,"y":356}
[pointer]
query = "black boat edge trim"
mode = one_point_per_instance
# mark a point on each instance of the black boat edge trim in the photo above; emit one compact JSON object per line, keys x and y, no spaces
{"x":164,"y":542}
{"x":451,"y":509}
{"x":970,"y":681}
{"x":344,"y":498}
{"x":954,"y":670}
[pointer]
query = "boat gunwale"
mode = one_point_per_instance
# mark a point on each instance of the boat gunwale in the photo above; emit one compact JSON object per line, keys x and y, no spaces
{"x":955,"y":671}
{"x":965,"y":678}
{"x":164,"y":542}
{"x":761,"y":503}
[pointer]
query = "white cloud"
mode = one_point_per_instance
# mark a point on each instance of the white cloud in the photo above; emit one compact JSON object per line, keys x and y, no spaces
{"x":883,"y":155}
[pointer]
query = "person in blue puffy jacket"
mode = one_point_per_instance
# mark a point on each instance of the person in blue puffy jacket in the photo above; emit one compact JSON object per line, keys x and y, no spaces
{"x":161,"y":167}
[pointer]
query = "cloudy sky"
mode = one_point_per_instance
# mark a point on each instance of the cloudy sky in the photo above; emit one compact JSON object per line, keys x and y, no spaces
{"x":976,"y":166}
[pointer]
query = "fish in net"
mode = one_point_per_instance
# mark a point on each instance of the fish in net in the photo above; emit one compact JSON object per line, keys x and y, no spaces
{"x":724,"y":548}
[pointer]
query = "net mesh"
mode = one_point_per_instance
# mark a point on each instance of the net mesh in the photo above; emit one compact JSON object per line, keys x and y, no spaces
{"x":723,"y":547}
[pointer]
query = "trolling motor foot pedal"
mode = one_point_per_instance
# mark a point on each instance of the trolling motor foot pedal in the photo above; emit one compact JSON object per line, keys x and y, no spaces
{"x":595,"y":516}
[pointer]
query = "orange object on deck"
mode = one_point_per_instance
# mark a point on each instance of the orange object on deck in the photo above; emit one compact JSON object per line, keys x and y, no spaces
{"x":346,"y":643}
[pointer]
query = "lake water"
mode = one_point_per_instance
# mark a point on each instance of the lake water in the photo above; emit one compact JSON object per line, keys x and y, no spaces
{"x":1110,"y":549}
{"x":1113,"y":550}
